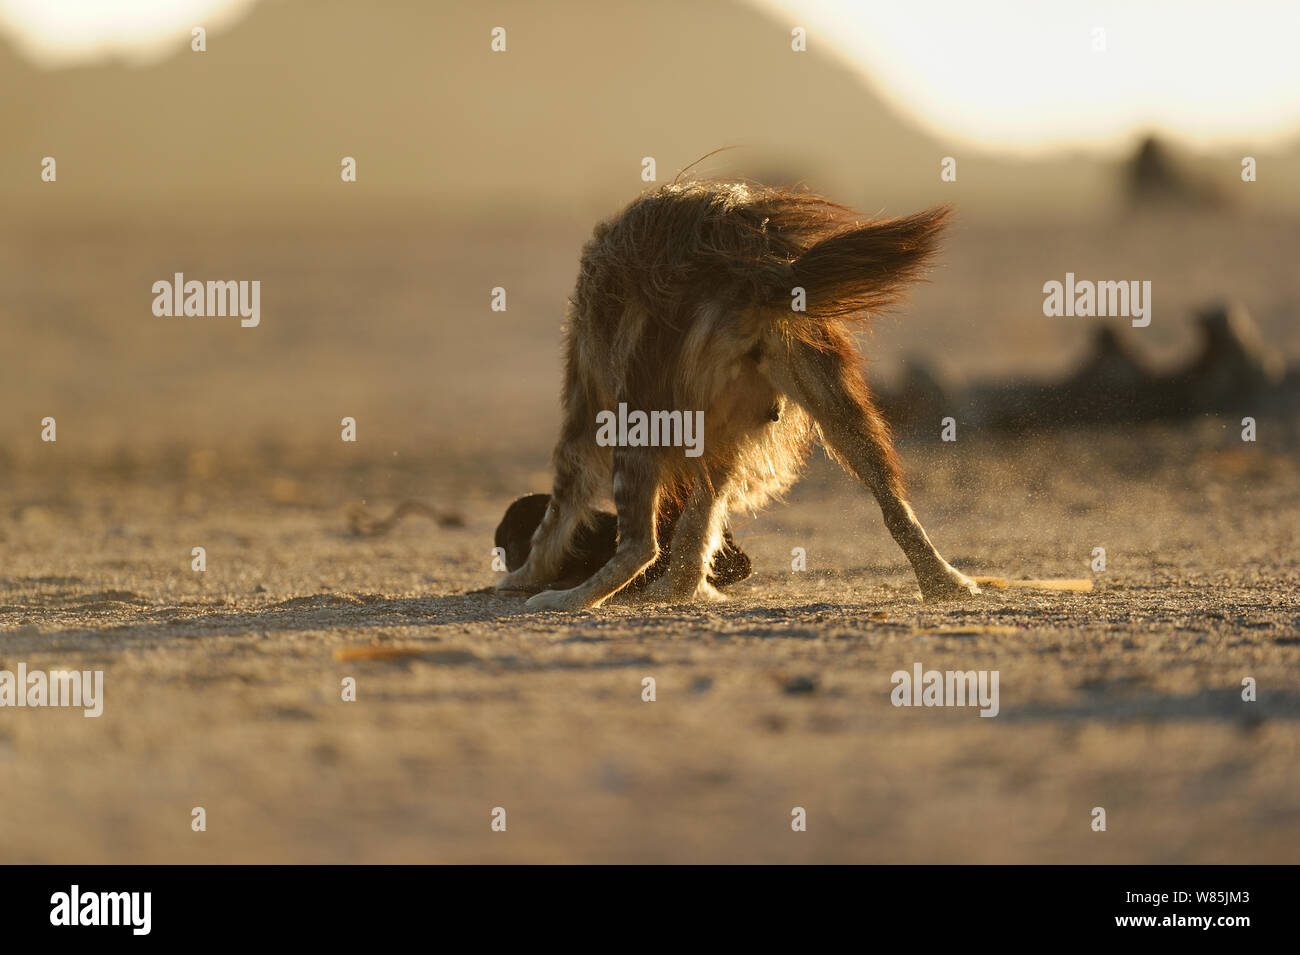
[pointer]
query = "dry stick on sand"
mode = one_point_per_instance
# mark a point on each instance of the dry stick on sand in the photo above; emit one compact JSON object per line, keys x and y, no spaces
{"x":362,"y":524}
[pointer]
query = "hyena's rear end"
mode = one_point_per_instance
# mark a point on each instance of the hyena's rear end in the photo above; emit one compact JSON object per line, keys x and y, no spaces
{"x":688,"y":301}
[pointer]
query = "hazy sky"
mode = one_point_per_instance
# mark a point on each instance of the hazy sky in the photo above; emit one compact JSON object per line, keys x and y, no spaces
{"x":58,"y":32}
{"x":1023,"y":75}
{"x":1008,"y":75}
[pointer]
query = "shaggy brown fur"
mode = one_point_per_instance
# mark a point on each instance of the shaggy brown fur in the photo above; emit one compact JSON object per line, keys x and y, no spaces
{"x":684,"y":302}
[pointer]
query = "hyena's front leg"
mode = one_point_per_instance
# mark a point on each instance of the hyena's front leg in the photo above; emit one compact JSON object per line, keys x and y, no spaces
{"x":636,"y":497}
{"x":569,"y":509}
{"x":697,"y":537}
{"x":832,"y":391}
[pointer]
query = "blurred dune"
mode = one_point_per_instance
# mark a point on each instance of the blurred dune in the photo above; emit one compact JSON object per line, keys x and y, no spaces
{"x":558,"y":123}
{"x":481,"y":169}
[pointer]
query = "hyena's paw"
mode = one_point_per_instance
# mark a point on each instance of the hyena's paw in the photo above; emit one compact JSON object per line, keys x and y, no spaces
{"x":947,"y":584}
{"x":666,"y":590}
{"x":706,"y":593}
{"x":560,"y":600}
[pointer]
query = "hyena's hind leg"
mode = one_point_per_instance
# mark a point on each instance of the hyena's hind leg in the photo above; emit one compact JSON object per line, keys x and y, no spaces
{"x":696,"y":538}
{"x":824,"y":380}
{"x":578,"y":471}
{"x":636,"y":499}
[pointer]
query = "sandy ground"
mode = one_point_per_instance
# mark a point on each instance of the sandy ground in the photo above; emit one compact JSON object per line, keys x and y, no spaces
{"x":223,"y":688}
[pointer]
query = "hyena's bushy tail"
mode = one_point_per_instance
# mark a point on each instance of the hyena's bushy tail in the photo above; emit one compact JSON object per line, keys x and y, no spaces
{"x":859,"y":269}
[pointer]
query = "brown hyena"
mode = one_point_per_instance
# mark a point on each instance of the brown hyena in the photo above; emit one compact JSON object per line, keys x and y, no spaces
{"x":688,"y":300}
